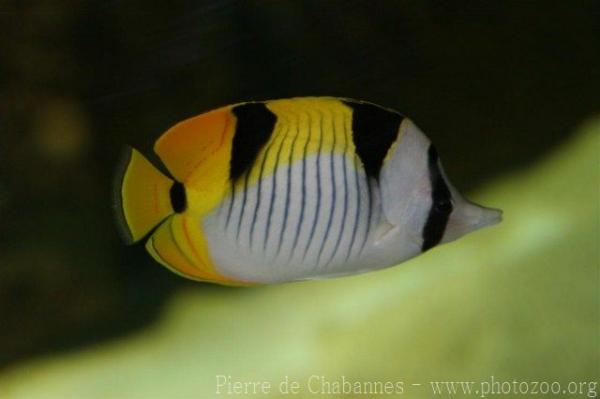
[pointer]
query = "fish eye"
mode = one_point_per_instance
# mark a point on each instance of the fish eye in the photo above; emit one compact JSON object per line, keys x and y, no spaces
{"x":443,"y":205}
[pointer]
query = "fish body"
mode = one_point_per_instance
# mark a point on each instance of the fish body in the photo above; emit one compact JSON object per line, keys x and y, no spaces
{"x":291,"y":189}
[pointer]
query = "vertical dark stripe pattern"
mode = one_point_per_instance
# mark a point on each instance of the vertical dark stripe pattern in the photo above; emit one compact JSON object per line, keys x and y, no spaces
{"x":231,"y":202}
{"x":345,"y":204}
{"x":318,"y":179}
{"x":259,"y":192}
{"x":288,"y":185}
{"x":303,"y":186}
{"x":243,"y":208}
{"x":333,"y":190}
{"x":274,"y":187}
{"x":441,"y":203}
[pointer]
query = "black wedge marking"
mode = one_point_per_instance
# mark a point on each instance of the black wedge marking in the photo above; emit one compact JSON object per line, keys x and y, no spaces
{"x":441,"y":204}
{"x":178,"y":198}
{"x":374,"y":130}
{"x":255,"y":123}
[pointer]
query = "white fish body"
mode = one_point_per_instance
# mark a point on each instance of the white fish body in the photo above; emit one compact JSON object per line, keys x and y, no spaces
{"x":332,"y":187}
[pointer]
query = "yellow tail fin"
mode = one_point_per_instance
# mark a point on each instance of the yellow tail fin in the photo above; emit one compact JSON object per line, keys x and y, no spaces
{"x":142,"y":196}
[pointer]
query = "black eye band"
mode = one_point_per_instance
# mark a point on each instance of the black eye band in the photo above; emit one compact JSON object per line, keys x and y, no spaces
{"x":441,"y":204}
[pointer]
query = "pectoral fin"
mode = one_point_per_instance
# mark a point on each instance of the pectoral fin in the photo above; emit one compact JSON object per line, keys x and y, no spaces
{"x":384,"y":232}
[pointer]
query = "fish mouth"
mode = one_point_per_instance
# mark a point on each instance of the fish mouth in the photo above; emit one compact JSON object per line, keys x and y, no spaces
{"x":469,"y":217}
{"x":489,"y":217}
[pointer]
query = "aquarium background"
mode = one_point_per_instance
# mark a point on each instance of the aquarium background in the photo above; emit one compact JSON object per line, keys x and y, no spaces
{"x":508,"y":90}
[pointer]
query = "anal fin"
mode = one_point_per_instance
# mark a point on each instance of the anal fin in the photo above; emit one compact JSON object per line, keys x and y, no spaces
{"x":182,"y":248}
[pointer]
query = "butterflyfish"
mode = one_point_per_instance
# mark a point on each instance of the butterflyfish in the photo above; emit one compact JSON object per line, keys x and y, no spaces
{"x":291,"y":189}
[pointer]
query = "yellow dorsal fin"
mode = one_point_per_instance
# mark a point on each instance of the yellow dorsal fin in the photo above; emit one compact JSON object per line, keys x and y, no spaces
{"x":197,"y":152}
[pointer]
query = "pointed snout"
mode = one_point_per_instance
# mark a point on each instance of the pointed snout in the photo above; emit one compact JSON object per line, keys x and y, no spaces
{"x":468,"y":217}
{"x":478,"y":216}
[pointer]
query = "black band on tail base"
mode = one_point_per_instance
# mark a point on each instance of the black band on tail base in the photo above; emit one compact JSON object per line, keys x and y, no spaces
{"x":178,"y":198}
